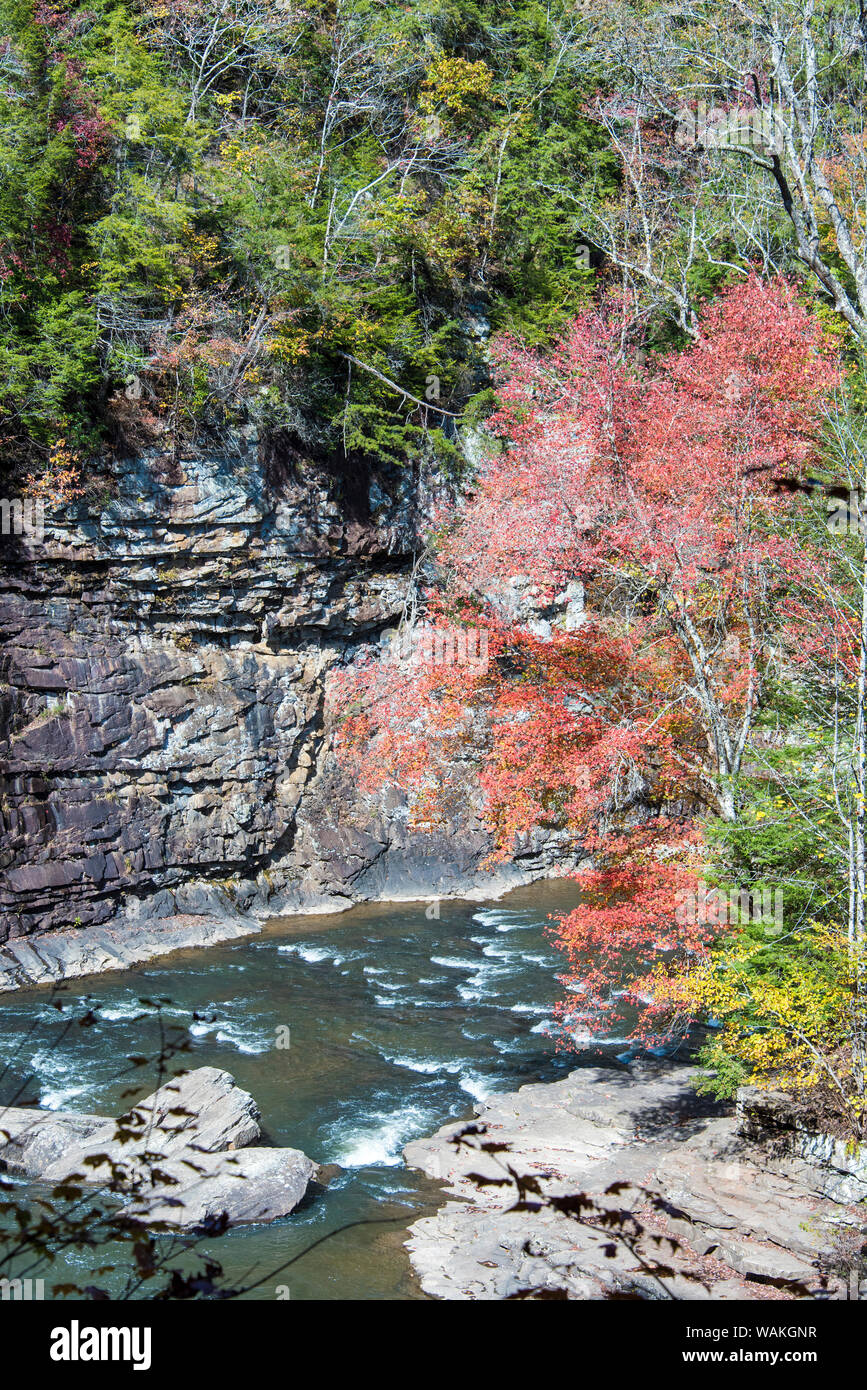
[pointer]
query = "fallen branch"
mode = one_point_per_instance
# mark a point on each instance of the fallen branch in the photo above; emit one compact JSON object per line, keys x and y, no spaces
{"x":426,"y":405}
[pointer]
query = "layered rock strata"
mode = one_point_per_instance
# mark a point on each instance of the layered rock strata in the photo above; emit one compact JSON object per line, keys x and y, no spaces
{"x":165,"y":773}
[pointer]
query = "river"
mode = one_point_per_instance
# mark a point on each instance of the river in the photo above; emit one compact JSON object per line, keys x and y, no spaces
{"x":397,"y":1023}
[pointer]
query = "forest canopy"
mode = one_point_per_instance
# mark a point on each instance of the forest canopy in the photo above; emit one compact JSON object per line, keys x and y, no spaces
{"x":625,"y":246}
{"x":217,"y":212}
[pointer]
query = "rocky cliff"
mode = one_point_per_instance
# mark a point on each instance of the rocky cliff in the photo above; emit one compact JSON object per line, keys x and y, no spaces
{"x":165,"y":755}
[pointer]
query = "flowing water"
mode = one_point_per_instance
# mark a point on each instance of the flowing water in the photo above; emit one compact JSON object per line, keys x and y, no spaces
{"x":397,"y":1023}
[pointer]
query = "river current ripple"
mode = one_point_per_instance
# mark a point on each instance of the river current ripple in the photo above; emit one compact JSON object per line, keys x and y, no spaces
{"x":396,"y":1022}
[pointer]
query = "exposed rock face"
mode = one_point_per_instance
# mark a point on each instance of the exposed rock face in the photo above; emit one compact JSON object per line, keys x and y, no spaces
{"x":187,"y":1160}
{"x":743,"y":1228}
{"x":41,"y":959}
{"x":828,"y":1165}
{"x":165,"y":753}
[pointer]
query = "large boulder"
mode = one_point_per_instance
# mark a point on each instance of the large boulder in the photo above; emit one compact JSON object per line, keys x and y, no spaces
{"x":180,"y":1154}
{"x":251,"y":1186}
{"x":202,"y":1110}
{"x":32,"y":1140}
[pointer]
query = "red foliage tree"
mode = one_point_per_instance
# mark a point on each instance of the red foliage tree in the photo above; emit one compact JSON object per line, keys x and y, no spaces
{"x":656,"y":491}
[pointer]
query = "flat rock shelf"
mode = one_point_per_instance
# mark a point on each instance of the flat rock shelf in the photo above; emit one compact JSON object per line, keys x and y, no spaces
{"x":731,"y":1217}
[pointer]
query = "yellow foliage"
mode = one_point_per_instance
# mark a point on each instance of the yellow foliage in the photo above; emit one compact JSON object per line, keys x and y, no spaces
{"x":456,"y":84}
{"x":788,"y":1027}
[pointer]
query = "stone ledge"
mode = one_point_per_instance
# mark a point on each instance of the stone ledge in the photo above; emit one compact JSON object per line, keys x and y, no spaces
{"x":741,"y":1232}
{"x":830,"y":1166}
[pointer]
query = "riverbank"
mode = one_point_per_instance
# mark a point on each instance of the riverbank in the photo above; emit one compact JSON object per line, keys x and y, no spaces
{"x":396,"y":1021}
{"x":48,"y":958}
{"x":728,"y":1215}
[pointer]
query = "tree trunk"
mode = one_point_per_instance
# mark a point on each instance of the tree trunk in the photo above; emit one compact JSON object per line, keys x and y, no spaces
{"x":859,"y":860}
